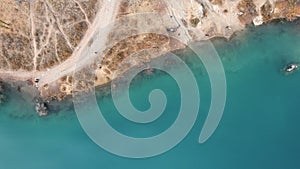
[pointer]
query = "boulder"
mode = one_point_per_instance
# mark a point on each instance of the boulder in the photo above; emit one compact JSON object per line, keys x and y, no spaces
{"x":258,"y":20}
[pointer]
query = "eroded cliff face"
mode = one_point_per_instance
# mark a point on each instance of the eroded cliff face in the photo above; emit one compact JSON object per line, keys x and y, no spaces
{"x":38,"y":35}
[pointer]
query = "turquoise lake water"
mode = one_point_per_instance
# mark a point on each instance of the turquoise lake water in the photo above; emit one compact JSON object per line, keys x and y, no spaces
{"x":260,"y":127}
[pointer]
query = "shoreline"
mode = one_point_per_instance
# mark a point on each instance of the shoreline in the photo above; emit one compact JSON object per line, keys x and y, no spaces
{"x":60,"y":90}
{"x":8,"y":80}
{"x":56,"y":105}
{"x":208,"y":16}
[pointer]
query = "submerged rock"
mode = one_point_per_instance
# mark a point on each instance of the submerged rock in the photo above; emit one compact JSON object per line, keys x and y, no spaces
{"x":41,"y":108}
{"x":2,"y":96}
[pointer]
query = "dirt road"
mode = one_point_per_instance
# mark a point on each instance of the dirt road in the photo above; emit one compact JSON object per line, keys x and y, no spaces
{"x":84,"y":52}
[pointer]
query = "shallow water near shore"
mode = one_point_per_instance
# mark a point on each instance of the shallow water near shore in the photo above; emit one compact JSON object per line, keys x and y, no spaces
{"x":259,"y":128}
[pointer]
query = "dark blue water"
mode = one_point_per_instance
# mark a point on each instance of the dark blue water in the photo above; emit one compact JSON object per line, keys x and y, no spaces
{"x":259,"y":128}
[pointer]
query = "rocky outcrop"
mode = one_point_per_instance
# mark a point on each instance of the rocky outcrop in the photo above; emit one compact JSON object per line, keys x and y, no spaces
{"x":247,"y":11}
{"x":280,"y":9}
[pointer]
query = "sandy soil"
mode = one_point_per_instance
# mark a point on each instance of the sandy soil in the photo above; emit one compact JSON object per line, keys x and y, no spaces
{"x":212,"y":25}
